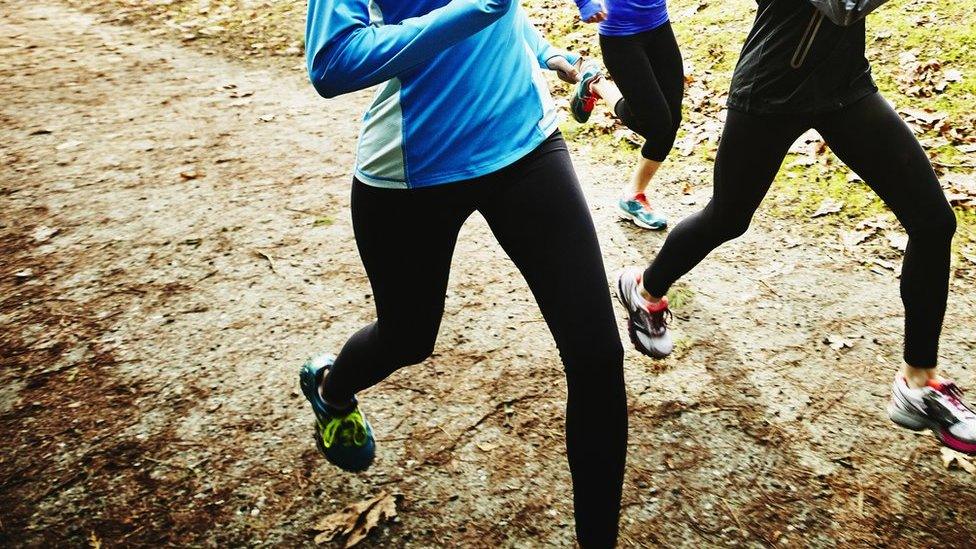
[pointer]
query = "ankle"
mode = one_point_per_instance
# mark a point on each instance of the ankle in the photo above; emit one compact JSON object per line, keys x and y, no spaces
{"x":633,"y":189}
{"x":646,"y":296}
{"x":594,"y":87}
{"x":336,"y":403}
{"x":918,"y":377}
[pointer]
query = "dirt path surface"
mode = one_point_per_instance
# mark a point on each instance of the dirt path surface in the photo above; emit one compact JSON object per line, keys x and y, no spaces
{"x":175,"y":240}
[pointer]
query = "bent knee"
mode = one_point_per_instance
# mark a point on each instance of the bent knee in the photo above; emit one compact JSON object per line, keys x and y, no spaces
{"x":945,"y":223}
{"x":725,"y":228}
{"x":940,"y":225}
{"x":586,"y":358}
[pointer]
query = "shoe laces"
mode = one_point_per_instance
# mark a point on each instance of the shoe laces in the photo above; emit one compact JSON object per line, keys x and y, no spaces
{"x":660,"y":320}
{"x":349,"y":430}
{"x":954,"y":395}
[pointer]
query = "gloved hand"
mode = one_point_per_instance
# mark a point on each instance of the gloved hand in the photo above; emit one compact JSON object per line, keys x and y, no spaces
{"x":593,"y":11}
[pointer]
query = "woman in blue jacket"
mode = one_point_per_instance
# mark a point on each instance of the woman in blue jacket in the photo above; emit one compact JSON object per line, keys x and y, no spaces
{"x":463,"y":122}
{"x":642,"y":56}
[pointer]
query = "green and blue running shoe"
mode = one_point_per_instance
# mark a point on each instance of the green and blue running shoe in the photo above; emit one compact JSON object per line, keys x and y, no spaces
{"x":638,"y":210}
{"x":344,"y":438}
{"x":584,"y":99}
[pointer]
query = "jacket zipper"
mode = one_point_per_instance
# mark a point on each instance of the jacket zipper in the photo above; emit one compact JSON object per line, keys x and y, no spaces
{"x":800,"y":55}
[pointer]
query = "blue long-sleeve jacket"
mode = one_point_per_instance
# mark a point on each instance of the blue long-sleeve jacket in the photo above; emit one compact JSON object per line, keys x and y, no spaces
{"x":462,"y":93}
{"x":626,"y":17}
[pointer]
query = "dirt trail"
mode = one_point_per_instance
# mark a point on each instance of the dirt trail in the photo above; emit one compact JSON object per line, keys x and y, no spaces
{"x":176,"y":240}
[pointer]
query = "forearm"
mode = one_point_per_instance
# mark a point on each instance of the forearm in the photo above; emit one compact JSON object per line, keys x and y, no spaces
{"x":345,"y":54}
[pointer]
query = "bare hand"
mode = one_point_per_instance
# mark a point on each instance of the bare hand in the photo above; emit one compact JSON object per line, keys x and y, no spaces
{"x":599,"y":17}
{"x":567,"y":72}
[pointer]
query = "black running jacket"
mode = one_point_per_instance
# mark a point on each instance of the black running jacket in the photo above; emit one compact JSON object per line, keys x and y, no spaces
{"x":795,"y":61}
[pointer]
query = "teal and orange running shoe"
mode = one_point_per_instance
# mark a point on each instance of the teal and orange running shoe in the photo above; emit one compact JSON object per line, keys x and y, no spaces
{"x":584,"y":99}
{"x":637,"y":209}
{"x":345,"y":438}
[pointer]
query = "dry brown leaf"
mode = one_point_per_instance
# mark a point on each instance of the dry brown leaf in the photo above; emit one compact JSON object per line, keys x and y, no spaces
{"x":898,"y":241}
{"x":827,"y":207}
{"x":853,"y":238}
{"x":487,"y":446}
{"x":189,"y":175}
{"x":356,"y":521}
{"x":838,"y":343}
{"x":964,"y":184}
{"x":952,"y":458}
{"x":44,"y":233}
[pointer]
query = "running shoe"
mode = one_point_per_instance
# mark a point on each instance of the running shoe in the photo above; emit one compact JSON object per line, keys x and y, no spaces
{"x":584,"y":99}
{"x":345,"y":438}
{"x":647,"y":322}
{"x":938,"y":407}
{"x":638,"y":210}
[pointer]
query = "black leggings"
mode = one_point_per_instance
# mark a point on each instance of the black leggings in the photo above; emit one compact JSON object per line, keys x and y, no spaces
{"x":648,"y":70}
{"x":536,"y":210}
{"x":872,"y":140}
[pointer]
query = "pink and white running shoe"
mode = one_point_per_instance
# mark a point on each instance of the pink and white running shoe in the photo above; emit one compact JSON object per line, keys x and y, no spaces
{"x":938,"y":407}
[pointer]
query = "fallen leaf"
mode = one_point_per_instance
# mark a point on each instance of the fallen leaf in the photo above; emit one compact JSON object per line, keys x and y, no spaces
{"x":43,"y":234}
{"x":692,"y":10}
{"x":929,"y":119}
{"x":951,"y":458}
{"x":827,"y":207}
{"x":68,"y":145}
{"x":965,"y":184}
{"x":853,"y":238}
{"x":356,"y":521}
{"x":953,"y":75}
{"x":898,"y":241}
{"x":487,"y":446}
{"x":189,"y":175}
{"x":838,"y":343}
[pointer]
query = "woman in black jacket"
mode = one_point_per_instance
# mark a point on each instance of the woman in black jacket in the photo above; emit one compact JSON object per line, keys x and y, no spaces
{"x":799,"y":71}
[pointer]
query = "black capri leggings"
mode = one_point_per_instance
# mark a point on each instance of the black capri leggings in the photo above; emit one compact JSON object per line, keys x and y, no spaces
{"x":872,"y":140}
{"x":536,"y":210}
{"x":647,"y":68}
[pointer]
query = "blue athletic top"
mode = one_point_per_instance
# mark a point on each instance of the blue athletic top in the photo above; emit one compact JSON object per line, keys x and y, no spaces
{"x":626,"y":17}
{"x":462,"y":92}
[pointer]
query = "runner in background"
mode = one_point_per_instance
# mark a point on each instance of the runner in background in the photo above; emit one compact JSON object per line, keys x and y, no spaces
{"x":799,"y":71}
{"x":463,"y":122}
{"x":642,"y":56}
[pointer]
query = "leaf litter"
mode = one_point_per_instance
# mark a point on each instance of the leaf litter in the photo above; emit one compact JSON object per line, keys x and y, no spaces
{"x":357,"y":520}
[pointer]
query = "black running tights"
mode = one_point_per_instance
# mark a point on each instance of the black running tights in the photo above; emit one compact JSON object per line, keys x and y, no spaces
{"x":648,"y":70}
{"x":871,"y":139}
{"x":536,"y":210}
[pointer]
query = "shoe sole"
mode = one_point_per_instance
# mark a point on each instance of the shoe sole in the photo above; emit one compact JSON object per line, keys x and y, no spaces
{"x":913,"y":423}
{"x":639,"y":223}
{"x":631,"y":329}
